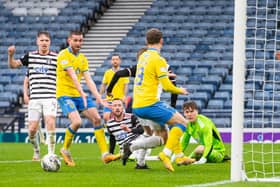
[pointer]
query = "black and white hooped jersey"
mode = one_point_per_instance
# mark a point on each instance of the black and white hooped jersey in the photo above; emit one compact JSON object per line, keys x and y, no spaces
{"x":120,"y":135}
{"x":42,"y":74}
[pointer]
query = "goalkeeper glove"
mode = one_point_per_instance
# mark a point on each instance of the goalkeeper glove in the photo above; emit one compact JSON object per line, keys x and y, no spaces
{"x":202,"y":160}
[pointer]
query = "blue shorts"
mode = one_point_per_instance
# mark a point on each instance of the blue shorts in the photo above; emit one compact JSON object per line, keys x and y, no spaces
{"x":159,"y":112}
{"x":70,"y":104}
{"x":106,"y":109}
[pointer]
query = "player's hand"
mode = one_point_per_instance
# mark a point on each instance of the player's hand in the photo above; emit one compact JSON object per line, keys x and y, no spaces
{"x":184,"y":91}
{"x":84,"y":97}
{"x":202,"y":160}
{"x":105,"y":103}
{"x":11,"y":50}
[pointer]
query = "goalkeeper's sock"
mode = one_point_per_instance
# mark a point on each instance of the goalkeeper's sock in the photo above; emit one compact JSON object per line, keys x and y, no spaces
{"x":69,"y":134}
{"x":100,"y":138}
{"x":173,"y":141}
{"x":51,"y":137}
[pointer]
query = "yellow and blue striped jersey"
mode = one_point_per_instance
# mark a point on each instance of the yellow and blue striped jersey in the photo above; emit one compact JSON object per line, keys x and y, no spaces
{"x":66,"y":59}
{"x":118,"y":90}
{"x":150,"y":68}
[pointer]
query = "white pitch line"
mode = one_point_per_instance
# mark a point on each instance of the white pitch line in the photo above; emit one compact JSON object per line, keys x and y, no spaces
{"x":208,"y":184}
{"x":14,"y":161}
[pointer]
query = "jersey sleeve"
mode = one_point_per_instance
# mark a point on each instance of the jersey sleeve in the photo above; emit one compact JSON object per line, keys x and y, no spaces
{"x":161,"y":68}
{"x":24,"y":59}
{"x":136,"y":126}
{"x":207,"y":139}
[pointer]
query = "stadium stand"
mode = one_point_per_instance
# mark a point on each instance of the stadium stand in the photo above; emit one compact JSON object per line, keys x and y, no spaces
{"x":198,"y":43}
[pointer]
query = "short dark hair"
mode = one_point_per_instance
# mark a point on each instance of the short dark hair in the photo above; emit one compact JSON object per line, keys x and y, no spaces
{"x":153,"y":36}
{"x":75,"y":32}
{"x":46,"y":33}
{"x":190,"y":105}
{"x":116,"y":54}
{"x":118,"y":99}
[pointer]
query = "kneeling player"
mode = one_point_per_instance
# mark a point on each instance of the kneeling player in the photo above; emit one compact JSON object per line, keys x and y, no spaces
{"x":204,"y":131}
{"x":128,"y":133}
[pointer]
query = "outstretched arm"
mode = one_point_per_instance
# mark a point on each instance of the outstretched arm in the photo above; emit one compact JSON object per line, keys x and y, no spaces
{"x":128,"y":72}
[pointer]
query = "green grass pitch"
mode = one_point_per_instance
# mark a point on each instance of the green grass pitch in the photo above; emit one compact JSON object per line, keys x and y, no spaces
{"x":16,"y":169}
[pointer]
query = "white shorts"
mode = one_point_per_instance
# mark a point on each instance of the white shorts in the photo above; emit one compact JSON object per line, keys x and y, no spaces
{"x":39,"y":107}
{"x":153,"y":125}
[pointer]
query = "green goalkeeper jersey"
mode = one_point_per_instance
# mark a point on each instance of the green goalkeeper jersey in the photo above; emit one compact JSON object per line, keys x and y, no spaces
{"x":204,"y":131}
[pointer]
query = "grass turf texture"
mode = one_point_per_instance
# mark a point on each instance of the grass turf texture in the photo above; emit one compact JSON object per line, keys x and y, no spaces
{"x":90,"y":171}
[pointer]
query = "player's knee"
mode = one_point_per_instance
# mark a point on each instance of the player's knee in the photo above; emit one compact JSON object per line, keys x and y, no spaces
{"x":77,"y":122}
{"x":97,"y":120}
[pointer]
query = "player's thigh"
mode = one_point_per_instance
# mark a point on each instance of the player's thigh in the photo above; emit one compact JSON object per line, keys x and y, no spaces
{"x":177,"y":118}
{"x":215,"y":156}
{"x":34,"y":110}
{"x":50,"y":111}
{"x":93,"y":115}
{"x":67,"y":104}
{"x":49,"y":107}
{"x":159,"y":112}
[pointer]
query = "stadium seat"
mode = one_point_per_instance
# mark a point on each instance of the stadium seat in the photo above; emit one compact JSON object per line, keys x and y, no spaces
{"x":215,"y":104}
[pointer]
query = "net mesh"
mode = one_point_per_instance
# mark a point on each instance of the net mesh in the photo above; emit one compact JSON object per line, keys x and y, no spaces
{"x":262,"y":90}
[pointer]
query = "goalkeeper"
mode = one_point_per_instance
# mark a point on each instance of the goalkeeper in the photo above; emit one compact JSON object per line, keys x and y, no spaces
{"x":211,"y":147}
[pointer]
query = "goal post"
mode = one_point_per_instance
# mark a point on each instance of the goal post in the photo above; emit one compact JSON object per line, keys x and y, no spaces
{"x":238,"y":89}
{"x":255,"y":143}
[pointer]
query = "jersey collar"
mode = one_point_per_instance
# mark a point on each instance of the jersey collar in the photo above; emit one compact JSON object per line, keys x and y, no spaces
{"x":71,"y":51}
{"x":153,"y":49}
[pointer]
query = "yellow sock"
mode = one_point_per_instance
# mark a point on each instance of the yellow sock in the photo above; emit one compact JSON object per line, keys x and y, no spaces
{"x":69,"y":134}
{"x":100,"y":138}
{"x":173,"y":141}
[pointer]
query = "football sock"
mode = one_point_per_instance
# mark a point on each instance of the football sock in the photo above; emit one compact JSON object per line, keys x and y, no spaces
{"x":100,"y":138}
{"x":140,"y":157}
{"x":173,"y":141}
{"x":51,"y":137}
{"x":69,"y":134}
{"x":145,"y":143}
{"x":34,"y":141}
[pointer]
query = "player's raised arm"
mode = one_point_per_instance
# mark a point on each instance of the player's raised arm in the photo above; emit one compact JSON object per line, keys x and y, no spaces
{"x":13,"y":63}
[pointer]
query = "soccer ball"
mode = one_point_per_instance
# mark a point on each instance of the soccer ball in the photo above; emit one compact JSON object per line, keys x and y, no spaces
{"x":50,"y":162}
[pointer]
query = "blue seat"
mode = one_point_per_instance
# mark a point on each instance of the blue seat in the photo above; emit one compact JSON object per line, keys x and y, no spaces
{"x":222,"y":95}
{"x":17,"y":89}
{"x":200,"y":71}
{"x":4,"y":80}
{"x":212,"y":79}
{"x":215,"y":104}
{"x":222,"y":122}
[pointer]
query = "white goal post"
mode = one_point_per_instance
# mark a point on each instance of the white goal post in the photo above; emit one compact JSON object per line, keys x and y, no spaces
{"x":255,"y":153}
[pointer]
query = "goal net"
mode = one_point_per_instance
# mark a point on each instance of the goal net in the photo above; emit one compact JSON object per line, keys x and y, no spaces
{"x":261,"y":98}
